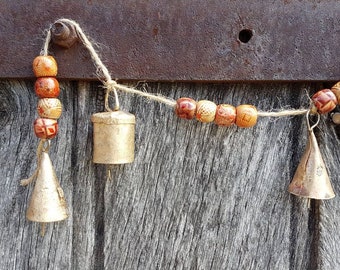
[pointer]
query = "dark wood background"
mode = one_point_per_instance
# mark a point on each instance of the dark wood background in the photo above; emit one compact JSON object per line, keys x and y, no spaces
{"x":197,"y":196}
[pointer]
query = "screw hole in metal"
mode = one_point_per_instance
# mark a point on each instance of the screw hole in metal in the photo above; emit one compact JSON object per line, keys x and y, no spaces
{"x":245,"y":35}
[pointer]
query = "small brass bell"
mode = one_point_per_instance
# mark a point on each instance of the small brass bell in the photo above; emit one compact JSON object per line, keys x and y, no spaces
{"x":113,"y":137}
{"x":47,"y":202}
{"x":311,"y":179}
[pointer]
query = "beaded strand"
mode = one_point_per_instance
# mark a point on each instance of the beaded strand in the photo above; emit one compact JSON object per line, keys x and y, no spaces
{"x":47,"y":89}
{"x":245,"y":115}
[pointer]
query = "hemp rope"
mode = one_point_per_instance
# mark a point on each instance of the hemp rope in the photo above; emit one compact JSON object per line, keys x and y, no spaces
{"x":111,"y":85}
{"x":101,"y":68}
{"x":41,"y":148}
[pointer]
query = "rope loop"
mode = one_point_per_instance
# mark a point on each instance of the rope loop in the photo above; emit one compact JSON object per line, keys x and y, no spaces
{"x":111,"y":86}
{"x":310,"y":128}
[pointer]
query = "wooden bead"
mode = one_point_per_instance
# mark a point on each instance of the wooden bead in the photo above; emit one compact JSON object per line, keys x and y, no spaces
{"x":336,"y":91}
{"x":45,"y":65}
{"x":49,"y":108}
{"x":205,"y":111}
{"x":45,"y":128}
{"x":225,"y":115}
{"x":246,"y":116}
{"x":324,"y":101}
{"x":185,"y":108}
{"x":336,"y":118}
{"x":47,"y":87}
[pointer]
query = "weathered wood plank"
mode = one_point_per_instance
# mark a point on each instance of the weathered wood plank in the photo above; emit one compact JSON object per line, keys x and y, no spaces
{"x":203,"y":197}
{"x":69,"y":243}
{"x":21,"y":245}
{"x":330,"y":210}
{"x":197,"y":196}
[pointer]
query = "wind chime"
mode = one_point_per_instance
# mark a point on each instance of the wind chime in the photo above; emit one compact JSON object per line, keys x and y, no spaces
{"x":114,"y":129}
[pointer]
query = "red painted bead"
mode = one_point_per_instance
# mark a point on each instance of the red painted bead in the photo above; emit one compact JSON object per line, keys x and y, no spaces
{"x":49,"y":108}
{"x":185,"y":108}
{"x":225,"y":115}
{"x":45,"y":128}
{"x":324,"y":101}
{"x":47,"y":87}
{"x":45,"y":65}
{"x":246,"y":116}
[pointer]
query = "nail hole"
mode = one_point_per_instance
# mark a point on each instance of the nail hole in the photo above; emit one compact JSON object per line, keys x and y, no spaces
{"x":245,"y":35}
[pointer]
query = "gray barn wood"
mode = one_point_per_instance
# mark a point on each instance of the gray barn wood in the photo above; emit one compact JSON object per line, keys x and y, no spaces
{"x":197,"y":196}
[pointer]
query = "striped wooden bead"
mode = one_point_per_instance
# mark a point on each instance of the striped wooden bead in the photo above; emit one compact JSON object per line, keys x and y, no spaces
{"x":336,"y":91}
{"x":45,"y":128}
{"x":205,"y":111}
{"x":47,"y":87}
{"x":185,"y":108}
{"x":49,"y":108}
{"x":325,"y":101}
{"x":246,"y":116}
{"x":45,"y":65}
{"x":225,"y":115}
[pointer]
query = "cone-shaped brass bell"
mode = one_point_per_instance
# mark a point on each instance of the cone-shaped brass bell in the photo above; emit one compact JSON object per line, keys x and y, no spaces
{"x":311,"y":179}
{"x":47,"y":202}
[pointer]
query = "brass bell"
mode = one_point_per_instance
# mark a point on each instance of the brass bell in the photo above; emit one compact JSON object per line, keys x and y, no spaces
{"x":47,"y":202}
{"x":311,"y":179}
{"x":113,"y":137}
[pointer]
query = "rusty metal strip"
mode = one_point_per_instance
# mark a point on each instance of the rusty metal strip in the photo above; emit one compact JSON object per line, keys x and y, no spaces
{"x":181,"y":40}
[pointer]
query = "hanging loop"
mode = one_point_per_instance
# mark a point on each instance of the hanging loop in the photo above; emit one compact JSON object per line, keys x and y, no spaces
{"x":310,"y":128}
{"x":46,"y":144}
{"x":111,"y":87}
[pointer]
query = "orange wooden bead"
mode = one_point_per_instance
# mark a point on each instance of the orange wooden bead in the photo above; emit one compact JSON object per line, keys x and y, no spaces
{"x":185,"y":108}
{"x":246,"y":116}
{"x":45,"y":128}
{"x":49,"y":108}
{"x":324,"y":101}
{"x":205,"y":111}
{"x":225,"y":115}
{"x":45,"y":65}
{"x":47,"y":87}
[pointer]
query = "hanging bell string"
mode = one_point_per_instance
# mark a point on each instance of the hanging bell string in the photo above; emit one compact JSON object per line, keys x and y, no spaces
{"x":43,"y":146}
{"x":112,"y":86}
{"x":102,"y":70}
{"x":155,"y":97}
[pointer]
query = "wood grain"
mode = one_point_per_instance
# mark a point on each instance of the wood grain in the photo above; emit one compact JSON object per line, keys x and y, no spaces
{"x":329,"y":136}
{"x":197,"y":196}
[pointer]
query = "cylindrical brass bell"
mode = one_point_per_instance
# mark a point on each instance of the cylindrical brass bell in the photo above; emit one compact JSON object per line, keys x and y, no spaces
{"x":113,"y":137}
{"x":47,"y":202}
{"x":311,"y":179}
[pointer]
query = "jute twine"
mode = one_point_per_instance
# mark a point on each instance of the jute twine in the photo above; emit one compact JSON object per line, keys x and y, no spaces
{"x":43,"y":146}
{"x":112,"y":86}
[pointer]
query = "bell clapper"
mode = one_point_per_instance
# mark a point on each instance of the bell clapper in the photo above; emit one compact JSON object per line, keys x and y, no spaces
{"x":309,"y":203}
{"x":42,"y":229}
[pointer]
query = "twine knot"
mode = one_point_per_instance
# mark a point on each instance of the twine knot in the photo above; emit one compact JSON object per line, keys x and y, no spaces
{"x":110,"y":84}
